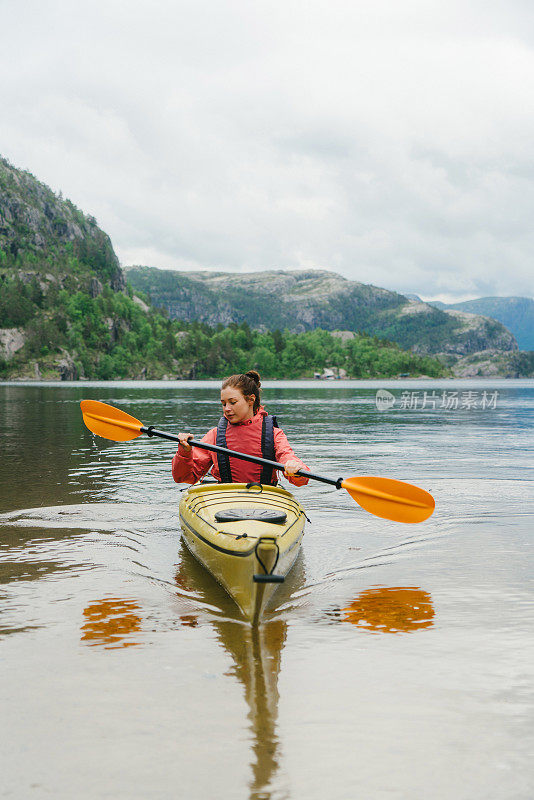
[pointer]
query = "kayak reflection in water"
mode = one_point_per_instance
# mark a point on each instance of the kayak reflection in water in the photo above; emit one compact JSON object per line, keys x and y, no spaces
{"x":110,"y":623}
{"x":390,"y":610}
{"x":247,"y":427}
{"x":256,"y":653}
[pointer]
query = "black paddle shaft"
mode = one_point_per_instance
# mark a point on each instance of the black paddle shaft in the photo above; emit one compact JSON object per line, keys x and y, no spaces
{"x":215,"y":448}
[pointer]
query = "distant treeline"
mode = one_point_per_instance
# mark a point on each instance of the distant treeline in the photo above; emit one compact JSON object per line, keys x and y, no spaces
{"x":279,"y":354}
{"x":111,"y":336}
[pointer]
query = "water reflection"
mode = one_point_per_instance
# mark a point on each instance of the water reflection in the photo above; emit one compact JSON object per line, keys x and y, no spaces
{"x":99,"y":528}
{"x":397,"y":609}
{"x":256,"y":652}
{"x":14,"y":571}
{"x":111,"y":622}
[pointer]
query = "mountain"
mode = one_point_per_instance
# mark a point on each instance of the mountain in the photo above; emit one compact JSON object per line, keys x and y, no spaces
{"x":417,"y":298}
{"x":38,"y":229}
{"x":66,"y":312}
{"x":64,"y":308}
{"x":305,"y":300}
{"x":516,"y":313}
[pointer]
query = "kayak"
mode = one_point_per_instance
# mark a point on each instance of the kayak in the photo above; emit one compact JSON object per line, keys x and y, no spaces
{"x":247,"y":535}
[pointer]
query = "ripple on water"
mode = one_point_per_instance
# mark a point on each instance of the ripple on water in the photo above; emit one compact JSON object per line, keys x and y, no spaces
{"x":404,"y":652}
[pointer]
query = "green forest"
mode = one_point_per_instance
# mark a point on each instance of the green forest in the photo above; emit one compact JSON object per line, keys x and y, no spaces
{"x":111,"y":336}
{"x":280,"y":354}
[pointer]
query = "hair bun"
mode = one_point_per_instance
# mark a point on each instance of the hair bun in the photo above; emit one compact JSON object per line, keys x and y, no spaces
{"x":253,"y":375}
{"x":248,"y":384}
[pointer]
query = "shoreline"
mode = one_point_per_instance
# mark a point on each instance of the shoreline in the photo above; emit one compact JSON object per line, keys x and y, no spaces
{"x":268,"y":382}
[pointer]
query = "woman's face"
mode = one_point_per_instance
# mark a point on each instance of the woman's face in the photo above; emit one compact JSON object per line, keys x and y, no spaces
{"x":236,"y":407}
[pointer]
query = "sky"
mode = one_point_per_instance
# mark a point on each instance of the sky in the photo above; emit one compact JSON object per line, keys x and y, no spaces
{"x":391,"y":142}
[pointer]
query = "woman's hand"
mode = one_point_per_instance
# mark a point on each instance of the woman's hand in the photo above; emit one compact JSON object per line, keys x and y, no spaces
{"x":291,"y":467}
{"x":183,"y":439}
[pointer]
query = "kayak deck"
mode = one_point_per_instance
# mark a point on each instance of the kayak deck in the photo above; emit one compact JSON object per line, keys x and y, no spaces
{"x":248,"y":536}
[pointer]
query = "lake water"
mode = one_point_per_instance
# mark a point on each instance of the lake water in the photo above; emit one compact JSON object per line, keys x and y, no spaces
{"x":397,"y":663}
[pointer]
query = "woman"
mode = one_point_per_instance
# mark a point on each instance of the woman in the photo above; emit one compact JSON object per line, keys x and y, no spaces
{"x":245,"y":427}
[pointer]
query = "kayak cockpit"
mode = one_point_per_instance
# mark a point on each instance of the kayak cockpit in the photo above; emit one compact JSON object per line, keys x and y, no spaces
{"x":247,"y":536}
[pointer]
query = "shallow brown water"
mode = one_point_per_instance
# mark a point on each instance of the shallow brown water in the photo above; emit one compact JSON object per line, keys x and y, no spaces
{"x":396,"y":663}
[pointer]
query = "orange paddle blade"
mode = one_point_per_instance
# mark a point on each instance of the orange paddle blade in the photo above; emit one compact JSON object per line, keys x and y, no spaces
{"x":391,"y":499}
{"x":109,"y":422}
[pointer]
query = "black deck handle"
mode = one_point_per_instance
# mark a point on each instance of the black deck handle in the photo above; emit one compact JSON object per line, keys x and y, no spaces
{"x":268,"y":578}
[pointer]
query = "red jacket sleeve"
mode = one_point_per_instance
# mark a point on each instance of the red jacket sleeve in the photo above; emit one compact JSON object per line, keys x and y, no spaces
{"x":190,"y":466}
{"x":284,"y":452}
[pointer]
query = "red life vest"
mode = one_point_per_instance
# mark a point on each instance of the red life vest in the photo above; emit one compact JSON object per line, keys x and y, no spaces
{"x":268,"y":474}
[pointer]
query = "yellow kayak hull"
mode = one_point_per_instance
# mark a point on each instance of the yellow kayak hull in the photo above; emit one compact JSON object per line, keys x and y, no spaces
{"x":250,"y":556}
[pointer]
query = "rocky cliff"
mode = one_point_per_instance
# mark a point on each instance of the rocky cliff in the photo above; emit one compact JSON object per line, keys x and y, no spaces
{"x":40,"y":232}
{"x":64,"y":309}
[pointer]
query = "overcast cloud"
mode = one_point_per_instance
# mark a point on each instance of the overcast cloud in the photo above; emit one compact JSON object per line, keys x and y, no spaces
{"x":390,"y":141}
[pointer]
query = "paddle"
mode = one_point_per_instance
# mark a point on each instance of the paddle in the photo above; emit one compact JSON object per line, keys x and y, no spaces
{"x":384,"y":497}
